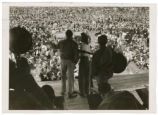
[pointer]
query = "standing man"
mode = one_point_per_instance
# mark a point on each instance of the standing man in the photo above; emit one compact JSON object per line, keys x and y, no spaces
{"x":69,"y":58}
{"x":84,"y":65}
{"x":102,"y":67}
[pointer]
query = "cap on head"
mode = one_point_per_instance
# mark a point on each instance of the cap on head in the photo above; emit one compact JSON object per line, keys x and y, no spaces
{"x":102,"y":40}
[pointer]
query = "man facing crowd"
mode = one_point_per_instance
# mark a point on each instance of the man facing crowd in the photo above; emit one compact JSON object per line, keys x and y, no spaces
{"x":69,"y":57}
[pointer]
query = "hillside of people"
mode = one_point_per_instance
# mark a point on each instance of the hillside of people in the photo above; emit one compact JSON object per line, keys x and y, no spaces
{"x":127,"y":30}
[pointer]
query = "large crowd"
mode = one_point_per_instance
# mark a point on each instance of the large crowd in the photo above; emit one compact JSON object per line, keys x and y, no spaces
{"x":127,"y":30}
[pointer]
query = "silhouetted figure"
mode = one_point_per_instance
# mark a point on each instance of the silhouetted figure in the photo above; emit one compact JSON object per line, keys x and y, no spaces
{"x":24,"y":93}
{"x":119,"y":100}
{"x":94,"y":99}
{"x":58,"y":101}
{"x":102,"y":68}
{"x":69,"y":57}
{"x":114,"y":100}
{"x":84,"y":65}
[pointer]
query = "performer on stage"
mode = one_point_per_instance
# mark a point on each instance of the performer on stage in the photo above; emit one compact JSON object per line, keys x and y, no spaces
{"x":102,"y":67}
{"x":69,"y":58}
{"x":84,"y":65}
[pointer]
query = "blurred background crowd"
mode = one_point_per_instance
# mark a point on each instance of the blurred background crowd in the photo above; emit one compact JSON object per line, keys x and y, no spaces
{"x":127,"y":29}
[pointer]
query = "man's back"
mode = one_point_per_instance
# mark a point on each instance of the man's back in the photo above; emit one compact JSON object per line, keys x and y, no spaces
{"x":102,"y":61}
{"x":68,"y":49}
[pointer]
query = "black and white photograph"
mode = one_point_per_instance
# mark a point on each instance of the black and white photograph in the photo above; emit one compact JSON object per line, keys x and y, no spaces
{"x":79,"y":57}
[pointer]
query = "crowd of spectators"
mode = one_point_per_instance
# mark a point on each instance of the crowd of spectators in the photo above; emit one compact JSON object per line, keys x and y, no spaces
{"x":127,"y":29}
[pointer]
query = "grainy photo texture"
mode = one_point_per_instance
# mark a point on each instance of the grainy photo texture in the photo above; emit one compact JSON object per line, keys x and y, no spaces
{"x":78,"y":58}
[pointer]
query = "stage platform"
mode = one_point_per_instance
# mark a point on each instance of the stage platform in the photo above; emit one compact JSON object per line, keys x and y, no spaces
{"x":129,"y":82}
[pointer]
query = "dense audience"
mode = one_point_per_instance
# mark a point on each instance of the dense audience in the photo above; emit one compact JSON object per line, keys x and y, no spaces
{"x":127,"y":30}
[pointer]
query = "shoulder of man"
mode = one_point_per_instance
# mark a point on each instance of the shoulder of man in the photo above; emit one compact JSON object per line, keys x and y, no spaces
{"x":61,"y":42}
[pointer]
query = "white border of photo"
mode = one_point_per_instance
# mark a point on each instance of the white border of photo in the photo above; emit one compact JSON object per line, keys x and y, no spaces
{"x":5,"y":53}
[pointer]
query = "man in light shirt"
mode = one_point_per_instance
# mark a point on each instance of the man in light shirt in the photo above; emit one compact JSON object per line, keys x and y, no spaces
{"x":69,"y":57}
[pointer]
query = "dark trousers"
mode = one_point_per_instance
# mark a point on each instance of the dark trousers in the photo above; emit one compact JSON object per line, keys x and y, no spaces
{"x":84,"y":75}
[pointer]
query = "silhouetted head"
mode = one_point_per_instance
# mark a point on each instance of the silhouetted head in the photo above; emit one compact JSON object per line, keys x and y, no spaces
{"x":102,"y":40}
{"x":69,"y":34}
{"x":50,"y":92}
{"x":84,"y":38}
{"x":20,"y":40}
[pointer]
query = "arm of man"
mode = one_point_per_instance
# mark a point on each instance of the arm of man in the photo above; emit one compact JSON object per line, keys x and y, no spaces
{"x":55,"y":46}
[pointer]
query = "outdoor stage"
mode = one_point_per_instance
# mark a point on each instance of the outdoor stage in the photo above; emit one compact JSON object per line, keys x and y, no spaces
{"x":128,"y":80}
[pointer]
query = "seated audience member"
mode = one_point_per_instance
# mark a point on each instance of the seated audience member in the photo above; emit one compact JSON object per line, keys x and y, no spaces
{"x":24,"y":92}
{"x":113,"y":100}
{"x":58,"y":101}
{"x":119,"y":100}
